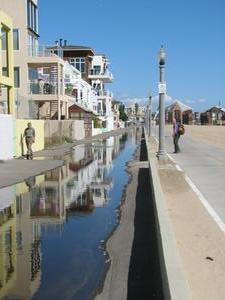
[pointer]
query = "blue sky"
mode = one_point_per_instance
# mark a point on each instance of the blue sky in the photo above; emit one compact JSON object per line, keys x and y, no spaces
{"x":131,"y":32}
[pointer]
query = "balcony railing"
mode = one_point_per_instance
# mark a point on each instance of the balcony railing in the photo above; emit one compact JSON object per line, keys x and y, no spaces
{"x":42,"y":89}
{"x":44,"y":51}
{"x":100,"y":73}
{"x":104,"y":94}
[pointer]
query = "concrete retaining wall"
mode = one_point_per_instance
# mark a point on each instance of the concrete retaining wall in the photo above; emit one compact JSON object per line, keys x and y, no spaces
{"x":6,"y":137}
{"x":174,"y":281}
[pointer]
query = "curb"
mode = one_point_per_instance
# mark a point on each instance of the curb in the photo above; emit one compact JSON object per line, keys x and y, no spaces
{"x":175,"y":284}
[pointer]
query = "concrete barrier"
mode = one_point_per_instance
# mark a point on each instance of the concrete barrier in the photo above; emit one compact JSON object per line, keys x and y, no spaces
{"x":174,"y":281}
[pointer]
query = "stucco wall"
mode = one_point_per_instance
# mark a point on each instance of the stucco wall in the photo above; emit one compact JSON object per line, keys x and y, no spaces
{"x":6,"y":137}
{"x":57,"y":132}
{"x":38,"y":125}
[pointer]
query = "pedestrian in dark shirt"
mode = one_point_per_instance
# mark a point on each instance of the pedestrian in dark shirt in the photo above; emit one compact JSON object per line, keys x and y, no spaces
{"x":29,"y":135}
{"x":176,"y":136}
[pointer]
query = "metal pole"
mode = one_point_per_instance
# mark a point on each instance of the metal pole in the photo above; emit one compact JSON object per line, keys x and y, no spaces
{"x":162,"y":92}
{"x":146,"y":118}
{"x":150,"y":116}
{"x":58,"y":92}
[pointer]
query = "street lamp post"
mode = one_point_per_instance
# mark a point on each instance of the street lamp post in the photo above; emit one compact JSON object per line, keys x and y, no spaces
{"x":162,"y":155}
{"x":150,"y":116}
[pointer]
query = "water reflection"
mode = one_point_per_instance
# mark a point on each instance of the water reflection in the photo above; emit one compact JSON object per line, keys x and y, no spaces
{"x":43,"y":229}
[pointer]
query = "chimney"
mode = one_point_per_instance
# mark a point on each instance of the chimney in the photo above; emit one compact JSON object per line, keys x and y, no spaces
{"x":65,"y":43}
{"x":60,"y":42}
{"x":57,"y":43}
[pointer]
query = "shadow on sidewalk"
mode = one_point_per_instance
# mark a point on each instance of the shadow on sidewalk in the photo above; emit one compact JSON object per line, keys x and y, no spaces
{"x":144,"y":279}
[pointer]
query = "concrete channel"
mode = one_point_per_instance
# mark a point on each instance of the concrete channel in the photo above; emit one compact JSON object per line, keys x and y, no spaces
{"x":145,"y":263}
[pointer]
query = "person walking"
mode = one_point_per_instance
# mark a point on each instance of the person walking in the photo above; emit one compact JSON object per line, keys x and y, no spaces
{"x":29,"y":135}
{"x":176,"y":136}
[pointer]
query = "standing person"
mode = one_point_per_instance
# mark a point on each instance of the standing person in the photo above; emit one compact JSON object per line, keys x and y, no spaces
{"x":176,"y":136}
{"x":29,"y":135}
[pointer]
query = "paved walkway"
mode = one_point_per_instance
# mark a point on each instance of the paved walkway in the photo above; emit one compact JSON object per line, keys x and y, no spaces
{"x":203,"y":161}
{"x":194,"y":189}
{"x":17,"y":170}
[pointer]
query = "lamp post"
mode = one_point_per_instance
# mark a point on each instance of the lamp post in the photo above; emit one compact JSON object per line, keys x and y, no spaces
{"x":162,"y":93}
{"x":150,"y":116}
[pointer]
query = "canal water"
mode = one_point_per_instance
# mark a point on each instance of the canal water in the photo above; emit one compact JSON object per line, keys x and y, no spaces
{"x":53,"y":227}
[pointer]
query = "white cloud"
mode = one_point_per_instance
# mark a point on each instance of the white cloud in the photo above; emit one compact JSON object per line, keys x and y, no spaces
{"x":202,"y":100}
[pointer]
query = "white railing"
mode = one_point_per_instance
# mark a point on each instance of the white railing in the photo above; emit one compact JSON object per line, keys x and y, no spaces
{"x":104,"y":94}
{"x":101,"y":73}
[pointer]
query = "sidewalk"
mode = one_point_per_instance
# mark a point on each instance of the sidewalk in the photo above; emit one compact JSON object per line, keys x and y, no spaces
{"x":17,"y":170}
{"x":198,"y":239}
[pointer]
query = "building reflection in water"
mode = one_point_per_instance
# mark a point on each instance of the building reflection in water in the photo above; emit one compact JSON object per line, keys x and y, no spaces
{"x":46,"y":201}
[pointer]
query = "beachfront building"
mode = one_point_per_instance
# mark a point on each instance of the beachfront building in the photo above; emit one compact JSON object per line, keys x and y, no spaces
{"x":94,"y":70}
{"x":116,"y":113}
{"x":180,"y":111}
{"x":38,"y":73}
{"x":215,"y":115}
{"x":7,"y":104}
{"x":80,"y":91}
{"x":6,"y":64}
{"x":100,"y":76}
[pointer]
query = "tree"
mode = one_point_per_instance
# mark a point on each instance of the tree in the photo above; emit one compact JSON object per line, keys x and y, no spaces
{"x":123,"y":115}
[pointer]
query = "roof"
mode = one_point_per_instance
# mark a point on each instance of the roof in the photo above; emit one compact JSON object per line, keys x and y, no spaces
{"x":73,"y":47}
{"x":80,"y":107}
{"x":217,"y":107}
{"x":183,"y":107}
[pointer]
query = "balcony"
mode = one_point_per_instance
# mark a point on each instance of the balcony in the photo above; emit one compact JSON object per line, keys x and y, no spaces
{"x":42,"y":88}
{"x":105,"y":76}
{"x":104,"y":94}
{"x":41,"y":54}
{"x":42,"y":50}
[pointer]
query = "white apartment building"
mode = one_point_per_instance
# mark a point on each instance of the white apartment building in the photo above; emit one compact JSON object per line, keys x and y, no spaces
{"x":81,"y":92}
{"x":100,"y":76}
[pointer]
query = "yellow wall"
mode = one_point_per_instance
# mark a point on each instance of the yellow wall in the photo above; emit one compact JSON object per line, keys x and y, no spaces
{"x":6,"y":22}
{"x":22,"y":188}
{"x":38,"y":125}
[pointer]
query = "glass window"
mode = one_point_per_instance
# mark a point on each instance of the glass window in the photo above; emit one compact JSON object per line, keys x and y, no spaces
{"x":4,"y":71}
{"x":78,"y":63}
{"x":16,"y":77}
{"x":32,"y":16}
{"x":4,"y":38}
{"x":15,"y":39}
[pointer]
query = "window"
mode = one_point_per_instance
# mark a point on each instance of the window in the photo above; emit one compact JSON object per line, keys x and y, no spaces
{"x":5,"y":71}
{"x":15,"y":39}
{"x":78,"y":63}
{"x":32,"y":16}
{"x":16,"y":75}
{"x":4,"y":37}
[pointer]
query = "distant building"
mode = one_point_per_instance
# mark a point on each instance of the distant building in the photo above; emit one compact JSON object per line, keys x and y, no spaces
{"x":213,"y":116}
{"x":116,"y":113}
{"x":180,"y":111}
